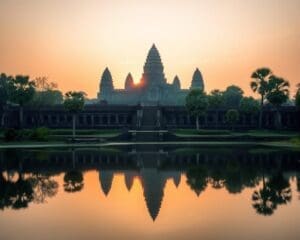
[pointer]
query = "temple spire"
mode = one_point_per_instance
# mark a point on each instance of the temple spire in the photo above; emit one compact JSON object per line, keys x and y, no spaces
{"x":106,"y":179}
{"x":129,"y":83}
{"x":197,"y":81}
{"x":153,"y":69}
{"x":106,"y":84}
{"x":176,"y":83}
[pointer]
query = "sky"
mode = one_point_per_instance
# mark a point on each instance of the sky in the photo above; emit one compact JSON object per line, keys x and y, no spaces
{"x":72,"y":41}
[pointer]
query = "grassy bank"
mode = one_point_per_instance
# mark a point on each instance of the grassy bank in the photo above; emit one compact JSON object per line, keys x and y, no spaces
{"x":53,"y":135}
{"x":221,"y":133}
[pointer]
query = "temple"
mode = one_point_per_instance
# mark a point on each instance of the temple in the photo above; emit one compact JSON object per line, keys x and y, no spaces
{"x":153,"y":88}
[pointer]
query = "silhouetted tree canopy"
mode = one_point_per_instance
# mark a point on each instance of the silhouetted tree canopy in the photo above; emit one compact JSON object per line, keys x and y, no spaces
{"x":297,"y":98}
{"x":260,"y":85}
{"x":249,"y":105}
{"x":278,"y":94}
{"x":23,"y":90}
{"x":74,"y":102}
{"x":46,"y":93}
{"x":47,"y":98}
{"x":197,"y":179}
{"x":278,"y":91}
{"x":5,"y":88}
{"x":215,"y":99}
{"x":282,"y":193}
{"x":263,"y":201}
{"x":73,"y":181}
{"x":197,"y":103}
{"x":232,"y":96}
{"x":43,"y":187}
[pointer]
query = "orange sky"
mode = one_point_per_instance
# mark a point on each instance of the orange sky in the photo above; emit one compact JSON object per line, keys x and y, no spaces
{"x":72,"y":41}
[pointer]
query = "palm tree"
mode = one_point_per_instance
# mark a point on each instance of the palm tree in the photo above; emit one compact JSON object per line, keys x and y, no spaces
{"x":278,"y":94}
{"x":263,"y":201}
{"x":282,"y":193}
{"x":260,"y":85}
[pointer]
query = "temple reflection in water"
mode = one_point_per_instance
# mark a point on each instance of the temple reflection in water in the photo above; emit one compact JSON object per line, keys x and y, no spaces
{"x":27,"y":175}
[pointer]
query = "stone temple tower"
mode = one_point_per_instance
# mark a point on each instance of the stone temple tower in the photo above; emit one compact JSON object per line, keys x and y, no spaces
{"x":153,"y":69}
{"x":129,"y":84}
{"x":152,"y":89}
{"x":153,"y":81}
{"x":176,"y":83}
{"x":197,"y":81}
{"x":106,"y":85}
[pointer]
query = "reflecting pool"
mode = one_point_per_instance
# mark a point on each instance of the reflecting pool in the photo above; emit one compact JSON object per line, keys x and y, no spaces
{"x":150,"y":192}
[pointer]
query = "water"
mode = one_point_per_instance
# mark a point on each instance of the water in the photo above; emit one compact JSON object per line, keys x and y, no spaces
{"x":150,"y":192}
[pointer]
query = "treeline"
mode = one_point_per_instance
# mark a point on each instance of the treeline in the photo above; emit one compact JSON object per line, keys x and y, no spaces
{"x":272,"y":90}
{"x":22,"y":91}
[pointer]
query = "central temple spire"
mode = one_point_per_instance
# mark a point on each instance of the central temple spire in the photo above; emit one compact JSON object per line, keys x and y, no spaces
{"x":153,"y":69}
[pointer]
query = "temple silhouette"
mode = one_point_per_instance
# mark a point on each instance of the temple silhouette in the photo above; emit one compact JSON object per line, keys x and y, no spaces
{"x":151,"y":104}
{"x":152,"y":89}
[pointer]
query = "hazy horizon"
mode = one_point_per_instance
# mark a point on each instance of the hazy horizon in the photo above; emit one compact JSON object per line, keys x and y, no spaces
{"x":71,"y":42}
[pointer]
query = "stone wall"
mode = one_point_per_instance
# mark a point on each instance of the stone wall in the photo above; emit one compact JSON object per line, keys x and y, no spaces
{"x":123,"y":116}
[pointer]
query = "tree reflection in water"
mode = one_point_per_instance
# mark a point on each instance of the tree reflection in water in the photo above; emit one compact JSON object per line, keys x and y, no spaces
{"x":197,"y":179}
{"x":43,"y":186}
{"x":32,"y":188}
{"x":230,"y":170}
{"x":73,"y":181}
{"x":275,"y":191}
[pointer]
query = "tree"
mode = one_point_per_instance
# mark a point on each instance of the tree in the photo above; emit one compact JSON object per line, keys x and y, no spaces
{"x":47,"y":98}
{"x":197,"y":179}
{"x":297,"y":97}
{"x":233,"y":178}
{"x":196,"y":103}
{"x":276,"y":191}
{"x":74,"y":102}
{"x":261,"y":86}
{"x":43,"y":84}
{"x":23,"y":90}
{"x":282,"y":193}
{"x":278,"y":94}
{"x":232,"y":96}
{"x":73,"y":181}
{"x":5,"y":88}
{"x":232,"y":117}
{"x":46,"y":93}
{"x":215,"y":101}
{"x":5,"y":85}
{"x":22,"y":193}
{"x":249,"y":106}
{"x":263,"y":201}
{"x":43,"y":187}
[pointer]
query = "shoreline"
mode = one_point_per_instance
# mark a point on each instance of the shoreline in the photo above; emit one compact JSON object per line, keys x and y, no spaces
{"x":282,"y":144}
